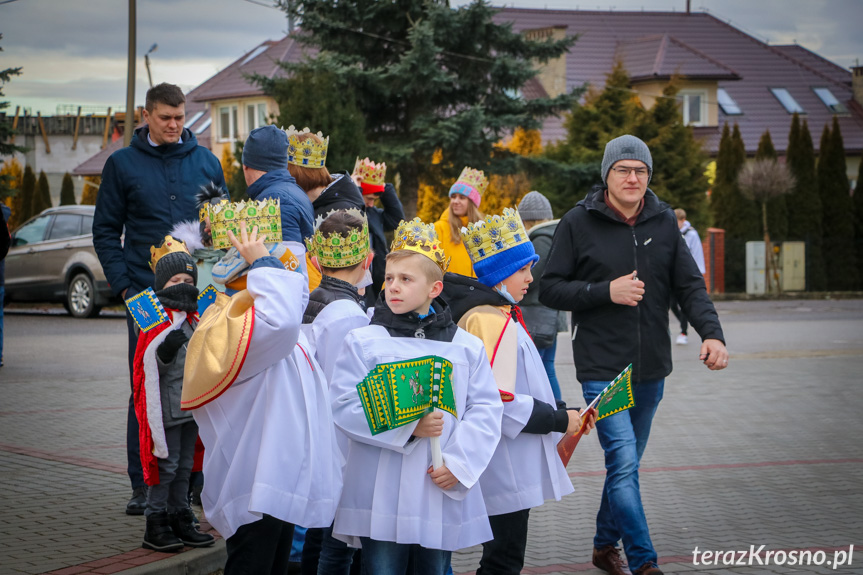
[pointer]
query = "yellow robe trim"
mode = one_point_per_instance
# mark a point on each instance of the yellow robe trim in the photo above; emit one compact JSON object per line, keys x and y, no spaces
{"x":499,"y":334}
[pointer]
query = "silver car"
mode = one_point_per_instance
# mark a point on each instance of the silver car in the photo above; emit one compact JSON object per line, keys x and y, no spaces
{"x":52,"y":260}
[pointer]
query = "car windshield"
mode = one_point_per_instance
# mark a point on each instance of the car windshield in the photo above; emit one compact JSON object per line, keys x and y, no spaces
{"x":32,"y":232}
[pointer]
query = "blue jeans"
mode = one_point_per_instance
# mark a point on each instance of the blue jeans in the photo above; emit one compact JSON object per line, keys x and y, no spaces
{"x":623,"y":437}
{"x":389,"y":558}
{"x":547,"y":355}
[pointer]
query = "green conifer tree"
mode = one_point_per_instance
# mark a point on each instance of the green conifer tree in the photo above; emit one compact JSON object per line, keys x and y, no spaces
{"x":733,"y":212}
{"x":42,"y":199}
{"x":28,"y":195}
{"x":804,"y":203}
{"x":777,"y":208}
{"x":838,"y":212}
{"x":67,"y":191}
{"x":858,"y":222}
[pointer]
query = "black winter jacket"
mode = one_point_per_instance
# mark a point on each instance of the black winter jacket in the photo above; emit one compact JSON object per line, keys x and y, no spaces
{"x":437,"y":326}
{"x":592,"y":247}
{"x":329,"y":290}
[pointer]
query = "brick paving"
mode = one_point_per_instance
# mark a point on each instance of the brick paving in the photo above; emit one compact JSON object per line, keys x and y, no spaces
{"x":767,"y":452}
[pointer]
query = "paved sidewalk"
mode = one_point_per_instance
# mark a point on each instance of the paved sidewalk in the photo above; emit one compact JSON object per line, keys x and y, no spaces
{"x":767,"y":452}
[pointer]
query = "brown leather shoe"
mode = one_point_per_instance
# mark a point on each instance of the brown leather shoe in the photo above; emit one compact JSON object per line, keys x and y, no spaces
{"x":648,"y":569}
{"x":609,"y":560}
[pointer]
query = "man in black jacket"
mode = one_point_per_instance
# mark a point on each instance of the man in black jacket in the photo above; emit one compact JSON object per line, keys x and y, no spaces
{"x":616,"y":260}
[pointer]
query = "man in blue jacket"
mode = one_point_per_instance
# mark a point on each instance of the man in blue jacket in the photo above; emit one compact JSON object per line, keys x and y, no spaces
{"x":146,"y":189}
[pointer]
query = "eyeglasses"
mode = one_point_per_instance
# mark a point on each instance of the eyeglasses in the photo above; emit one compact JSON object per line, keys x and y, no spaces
{"x":623,"y":172}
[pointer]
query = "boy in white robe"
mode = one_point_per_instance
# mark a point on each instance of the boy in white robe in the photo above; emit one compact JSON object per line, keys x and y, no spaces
{"x":526,"y":469}
{"x":262,"y":408}
{"x":340,"y":250}
{"x":396,"y":504}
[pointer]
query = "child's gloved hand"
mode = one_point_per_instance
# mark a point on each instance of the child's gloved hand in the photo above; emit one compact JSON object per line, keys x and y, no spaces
{"x":167,"y":351}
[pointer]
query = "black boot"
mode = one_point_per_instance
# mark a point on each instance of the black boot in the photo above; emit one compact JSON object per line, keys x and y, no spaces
{"x":159,"y":535}
{"x":138,"y":503}
{"x":183,"y":524}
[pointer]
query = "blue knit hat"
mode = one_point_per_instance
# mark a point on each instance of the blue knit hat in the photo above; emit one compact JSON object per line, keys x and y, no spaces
{"x":498,"y":247}
{"x":266,"y":149}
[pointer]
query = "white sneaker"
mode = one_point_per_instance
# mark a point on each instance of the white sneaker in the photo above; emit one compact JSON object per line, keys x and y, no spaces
{"x":682,"y":339}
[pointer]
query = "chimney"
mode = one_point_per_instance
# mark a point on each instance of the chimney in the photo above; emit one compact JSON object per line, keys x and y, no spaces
{"x":857,"y":83}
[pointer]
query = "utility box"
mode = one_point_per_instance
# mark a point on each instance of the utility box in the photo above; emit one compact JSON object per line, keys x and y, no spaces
{"x":755,"y":268}
{"x":791,"y":262}
{"x":792,"y":265}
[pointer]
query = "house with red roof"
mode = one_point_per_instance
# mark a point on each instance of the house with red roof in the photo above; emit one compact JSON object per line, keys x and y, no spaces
{"x":727,"y":76}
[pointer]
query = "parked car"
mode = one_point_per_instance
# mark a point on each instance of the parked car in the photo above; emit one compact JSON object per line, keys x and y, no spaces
{"x":52,"y":259}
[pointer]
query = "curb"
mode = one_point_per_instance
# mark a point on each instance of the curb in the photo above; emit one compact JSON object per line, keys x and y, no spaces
{"x":203,"y":561}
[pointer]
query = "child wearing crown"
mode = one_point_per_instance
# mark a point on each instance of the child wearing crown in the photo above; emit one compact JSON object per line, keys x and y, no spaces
{"x":525,"y":469}
{"x":263,"y":410}
{"x":465,"y":196}
{"x":167,"y":434}
{"x":340,"y":250}
{"x":398,"y":505}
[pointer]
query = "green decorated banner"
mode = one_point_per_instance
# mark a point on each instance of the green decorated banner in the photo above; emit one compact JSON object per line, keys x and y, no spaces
{"x":616,"y":397}
{"x":395,"y":394}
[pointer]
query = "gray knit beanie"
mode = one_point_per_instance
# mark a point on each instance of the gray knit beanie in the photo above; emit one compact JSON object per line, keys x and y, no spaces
{"x":172,"y":264}
{"x":535,"y":206}
{"x":626,"y":148}
{"x":266,"y":149}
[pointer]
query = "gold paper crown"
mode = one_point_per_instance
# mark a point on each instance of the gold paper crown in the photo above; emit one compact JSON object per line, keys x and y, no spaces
{"x":494,"y":235}
{"x":370,"y":172}
{"x":473,"y":178}
{"x":307,"y":153}
{"x":226,"y":216}
{"x":422,"y":239}
{"x":337,"y":251}
{"x":169,"y":245}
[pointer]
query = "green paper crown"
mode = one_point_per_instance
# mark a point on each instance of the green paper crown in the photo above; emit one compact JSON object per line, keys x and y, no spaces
{"x":337,"y":251}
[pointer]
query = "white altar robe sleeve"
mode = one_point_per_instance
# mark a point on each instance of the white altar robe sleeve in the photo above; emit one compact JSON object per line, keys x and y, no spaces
{"x":348,"y":415}
{"x":328,"y":332}
{"x":280,"y":299}
{"x":475,"y":436}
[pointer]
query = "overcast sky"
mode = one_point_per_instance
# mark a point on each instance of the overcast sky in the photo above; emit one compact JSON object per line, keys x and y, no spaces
{"x":73,"y":52}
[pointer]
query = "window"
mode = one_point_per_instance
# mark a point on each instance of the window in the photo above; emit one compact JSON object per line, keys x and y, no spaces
{"x":787,"y":100}
{"x":255,"y":53}
{"x":228,"y":123}
{"x":65,"y":226}
{"x":727,"y":103}
{"x":693,"y":107}
{"x":830,"y":100}
{"x":32,"y":232}
{"x":256,"y":116}
{"x":200,"y":129}
{"x":191,"y":121}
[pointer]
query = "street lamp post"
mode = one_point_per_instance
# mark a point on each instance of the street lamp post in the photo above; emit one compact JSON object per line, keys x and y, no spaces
{"x":129,"y":122}
{"x":152,"y":49}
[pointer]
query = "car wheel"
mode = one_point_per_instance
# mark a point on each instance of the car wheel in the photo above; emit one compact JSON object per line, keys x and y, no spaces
{"x":81,"y":297}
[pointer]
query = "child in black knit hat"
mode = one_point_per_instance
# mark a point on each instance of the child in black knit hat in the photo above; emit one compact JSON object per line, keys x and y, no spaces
{"x":168,"y":434}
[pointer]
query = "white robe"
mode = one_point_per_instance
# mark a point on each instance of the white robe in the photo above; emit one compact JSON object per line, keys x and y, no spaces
{"x":525,"y":469}
{"x":390,"y":496}
{"x":270,"y":446}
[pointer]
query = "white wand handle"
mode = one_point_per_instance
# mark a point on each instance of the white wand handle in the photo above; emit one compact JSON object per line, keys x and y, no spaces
{"x":437,"y":454}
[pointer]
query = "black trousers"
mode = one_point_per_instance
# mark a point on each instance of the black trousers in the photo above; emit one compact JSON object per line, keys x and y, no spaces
{"x":678,"y":313}
{"x":504,"y":555}
{"x":260,"y":548}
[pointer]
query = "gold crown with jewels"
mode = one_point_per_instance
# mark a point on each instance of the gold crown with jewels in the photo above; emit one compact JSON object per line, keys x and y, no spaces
{"x":370,"y":172}
{"x":336,"y":250}
{"x":493,"y":235}
{"x":169,"y":245}
{"x":307,"y":153}
{"x":421,"y":238}
{"x":226,"y":215}
{"x":474,"y":178}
